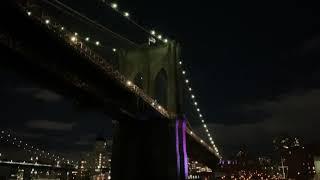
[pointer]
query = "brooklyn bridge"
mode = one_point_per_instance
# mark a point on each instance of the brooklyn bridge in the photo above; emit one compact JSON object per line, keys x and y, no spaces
{"x":138,"y":79}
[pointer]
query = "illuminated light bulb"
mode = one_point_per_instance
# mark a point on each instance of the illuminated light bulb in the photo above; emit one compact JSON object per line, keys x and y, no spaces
{"x":114,"y":5}
{"x":201,"y":141}
{"x":47,"y":21}
{"x":87,"y":38}
{"x":204,"y":125}
{"x":180,"y":62}
{"x":73,"y":39}
{"x":198,"y":110}
{"x":191,"y":132}
{"x":200,"y":115}
{"x":114,"y":50}
{"x":187,"y":81}
{"x":192,"y":96}
{"x":62,"y":28}
{"x":153,"y":32}
{"x":126,"y":14}
{"x":183,"y":72}
{"x":29,"y":13}
{"x":207,"y":130}
{"x":129,"y":83}
{"x":190,"y":89}
{"x":202,"y":121}
{"x":165,"y":40}
{"x":159,"y":37}
{"x":153,"y":104}
{"x":196,"y":104}
{"x":97,"y":43}
{"x":210,"y":138}
{"x":159,"y":107}
{"x":76,"y":34}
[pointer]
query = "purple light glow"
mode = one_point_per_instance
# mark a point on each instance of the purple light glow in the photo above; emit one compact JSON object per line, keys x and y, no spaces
{"x":184,"y":141}
{"x":177,"y":147}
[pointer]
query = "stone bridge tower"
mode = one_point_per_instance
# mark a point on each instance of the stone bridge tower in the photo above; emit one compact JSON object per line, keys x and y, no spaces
{"x":154,"y":69}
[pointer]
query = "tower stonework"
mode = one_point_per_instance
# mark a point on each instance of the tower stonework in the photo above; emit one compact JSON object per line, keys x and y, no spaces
{"x":149,"y":63}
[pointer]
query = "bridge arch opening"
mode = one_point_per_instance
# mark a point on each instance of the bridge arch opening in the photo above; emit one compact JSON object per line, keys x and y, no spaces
{"x":138,"y":80}
{"x":161,"y":88}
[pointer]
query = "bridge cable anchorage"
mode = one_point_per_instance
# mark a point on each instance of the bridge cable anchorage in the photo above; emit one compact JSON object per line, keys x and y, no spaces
{"x":126,"y":14}
{"x":195,"y":105}
{"x":76,"y":41}
{"x":6,"y":136}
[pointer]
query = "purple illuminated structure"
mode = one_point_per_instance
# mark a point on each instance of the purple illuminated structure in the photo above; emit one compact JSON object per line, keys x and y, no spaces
{"x":184,"y":146}
{"x":181,"y":147}
{"x":178,"y":147}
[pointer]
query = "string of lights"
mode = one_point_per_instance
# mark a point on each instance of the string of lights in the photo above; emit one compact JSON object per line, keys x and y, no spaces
{"x":196,"y":105}
{"x":8,"y":137}
{"x":126,"y":14}
{"x":68,"y":10}
{"x":76,"y":39}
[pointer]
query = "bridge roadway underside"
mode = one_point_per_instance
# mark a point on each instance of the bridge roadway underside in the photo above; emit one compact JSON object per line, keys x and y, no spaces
{"x":144,"y":141}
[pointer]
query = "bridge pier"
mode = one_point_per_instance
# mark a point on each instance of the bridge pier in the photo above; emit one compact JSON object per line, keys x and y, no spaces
{"x":145,"y":150}
{"x":27,"y":174}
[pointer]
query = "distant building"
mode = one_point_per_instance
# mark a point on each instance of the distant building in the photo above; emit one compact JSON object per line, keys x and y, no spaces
{"x":99,"y":157}
{"x":295,"y":159}
{"x":97,"y":163}
{"x":198,"y":170}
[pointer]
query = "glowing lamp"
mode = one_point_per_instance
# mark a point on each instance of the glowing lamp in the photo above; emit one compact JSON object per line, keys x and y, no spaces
{"x":114,"y":5}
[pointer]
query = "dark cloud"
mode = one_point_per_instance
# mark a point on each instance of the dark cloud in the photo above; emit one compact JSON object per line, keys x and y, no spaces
{"x":294,"y":114}
{"x":50,"y":125}
{"x":86,"y":139}
{"x":40,"y":94}
{"x":29,"y":135}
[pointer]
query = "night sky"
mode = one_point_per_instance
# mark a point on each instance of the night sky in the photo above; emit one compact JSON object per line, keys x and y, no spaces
{"x":255,"y":66}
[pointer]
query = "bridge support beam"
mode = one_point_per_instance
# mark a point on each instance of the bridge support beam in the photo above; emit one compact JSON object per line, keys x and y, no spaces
{"x":146,"y":150}
{"x":64,"y":175}
{"x":181,"y":148}
{"x":27,"y":173}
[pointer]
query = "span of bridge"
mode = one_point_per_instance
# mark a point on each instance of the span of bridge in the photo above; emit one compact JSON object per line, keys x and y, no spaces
{"x":33,"y":165}
{"x":147,"y":130}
